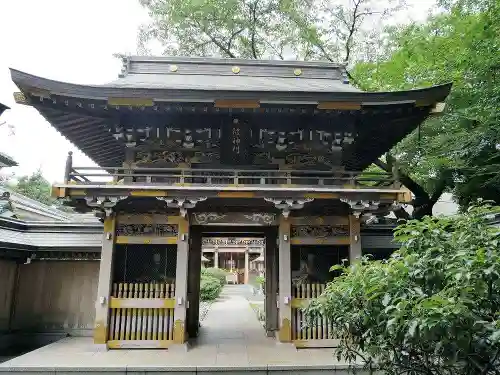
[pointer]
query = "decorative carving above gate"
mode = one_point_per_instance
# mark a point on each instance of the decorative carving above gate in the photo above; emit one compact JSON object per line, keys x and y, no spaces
{"x":103,"y":204}
{"x":359,"y":207}
{"x":319,"y":231}
{"x":176,"y":157}
{"x":232,"y":241}
{"x":183,"y":204}
{"x":287,"y":205}
{"x":243,"y":143}
{"x":233,"y":218}
{"x":203,"y":218}
{"x":159,"y":230}
{"x":261,"y":218}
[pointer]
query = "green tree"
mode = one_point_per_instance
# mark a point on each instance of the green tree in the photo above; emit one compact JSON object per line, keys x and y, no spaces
{"x":262,"y":29}
{"x":432,"y":308}
{"x":458,"y":151}
{"x":35,"y":187}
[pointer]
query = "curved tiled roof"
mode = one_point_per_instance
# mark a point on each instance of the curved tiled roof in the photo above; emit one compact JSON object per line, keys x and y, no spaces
{"x":88,"y":114}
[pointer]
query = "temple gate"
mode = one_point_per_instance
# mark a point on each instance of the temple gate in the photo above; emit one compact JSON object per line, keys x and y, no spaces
{"x":188,"y":148}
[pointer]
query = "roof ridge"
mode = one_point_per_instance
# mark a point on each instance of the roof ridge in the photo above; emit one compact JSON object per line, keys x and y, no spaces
{"x":318,"y":64}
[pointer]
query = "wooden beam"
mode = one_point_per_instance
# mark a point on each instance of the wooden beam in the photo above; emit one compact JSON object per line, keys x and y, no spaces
{"x":147,"y":219}
{"x":340,"y":240}
{"x":339,"y":105}
{"x":326,"y":343}
{"x":236,"y":103}
{"x":20,"y":98}
{"x":319,"y":220}
{"x":141,"y":303}
{"x":146,"y":240}
{"x":131,"y":102}
{"x":438,"y":108}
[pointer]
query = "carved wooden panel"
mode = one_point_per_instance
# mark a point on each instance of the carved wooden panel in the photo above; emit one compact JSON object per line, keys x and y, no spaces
{"x":212,"y":218}
{"x":160,"y":230}
{"x":232,"y":241}
{"x":236,"y":142}
{"x":244,"y":143}
{"x":319,"y":231}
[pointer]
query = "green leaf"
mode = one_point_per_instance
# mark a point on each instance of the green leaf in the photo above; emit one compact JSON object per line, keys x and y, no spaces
{"x":387,"y":299}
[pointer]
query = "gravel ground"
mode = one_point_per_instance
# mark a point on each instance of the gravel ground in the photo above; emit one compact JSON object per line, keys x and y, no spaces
{"x":204,"y":307}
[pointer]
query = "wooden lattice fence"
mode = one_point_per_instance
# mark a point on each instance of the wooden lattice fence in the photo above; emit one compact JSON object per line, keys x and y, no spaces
{"x":142,"y":315}
{"x":319,"y":332}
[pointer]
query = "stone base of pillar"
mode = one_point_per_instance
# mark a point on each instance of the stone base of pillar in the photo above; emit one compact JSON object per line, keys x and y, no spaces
{"x":100,"y":348}
{"x":285,"y":332}
{"x":180,"y":348}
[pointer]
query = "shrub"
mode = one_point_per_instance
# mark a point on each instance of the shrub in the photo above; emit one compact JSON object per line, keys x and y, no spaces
{"x":210,"y":288}
{"x":260,"y":280}
{"x":217,"y":273}
{"x":432,"y":308}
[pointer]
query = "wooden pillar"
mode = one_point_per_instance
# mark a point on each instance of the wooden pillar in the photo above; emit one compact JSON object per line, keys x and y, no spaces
{"x":127,"y":164}
{"x":245,"y":278}
{"x":216,"y":258}
{"x":69,"y":167}
{"x":104,"y":286}
{"x":271,"y":275}
{"x":355,"y":239}
{"x":194,"y":275}
{"x":181,"y":282}
{"x":285,"y":282}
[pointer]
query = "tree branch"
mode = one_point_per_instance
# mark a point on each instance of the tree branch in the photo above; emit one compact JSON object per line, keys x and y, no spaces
{"x":231,"y":38}
{"x":351,"y":30}
{"x":406,"y":180}
{"x":221,"y":46}
{"x":254,"y":22}
{"x":422,"y":202}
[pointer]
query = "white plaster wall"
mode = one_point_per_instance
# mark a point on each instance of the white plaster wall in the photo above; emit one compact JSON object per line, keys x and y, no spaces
{"x":7,"y":279}
{"x":56,"y":296}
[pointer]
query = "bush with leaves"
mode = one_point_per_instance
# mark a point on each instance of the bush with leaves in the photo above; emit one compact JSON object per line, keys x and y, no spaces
{"x":216,"y":273}
{"x":432,"y":308}
{"x":210,"y":288}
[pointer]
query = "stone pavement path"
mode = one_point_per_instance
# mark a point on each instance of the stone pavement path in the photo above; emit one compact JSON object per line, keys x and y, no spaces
{"x":232,"y":323}
{"x":230,"y":336}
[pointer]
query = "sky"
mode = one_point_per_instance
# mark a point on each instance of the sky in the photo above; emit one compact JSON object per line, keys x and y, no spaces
{"x":72,"y":41}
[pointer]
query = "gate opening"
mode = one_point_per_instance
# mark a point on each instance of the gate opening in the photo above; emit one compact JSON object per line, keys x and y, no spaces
{"x":245,"y":259}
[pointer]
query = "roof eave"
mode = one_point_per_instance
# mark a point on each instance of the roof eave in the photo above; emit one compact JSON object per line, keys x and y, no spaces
{"x":7,"y":161}
{"x":3,"y":107}
{"x":31,"y":84}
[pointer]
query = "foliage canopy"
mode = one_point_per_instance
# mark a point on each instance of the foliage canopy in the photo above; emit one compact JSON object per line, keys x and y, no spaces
{"x":459,"y":151}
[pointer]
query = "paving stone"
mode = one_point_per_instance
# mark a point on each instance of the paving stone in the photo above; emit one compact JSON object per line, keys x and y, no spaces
{"x":232,"y":342}
{"x":161,"y":370}
{"x":233,"y":370}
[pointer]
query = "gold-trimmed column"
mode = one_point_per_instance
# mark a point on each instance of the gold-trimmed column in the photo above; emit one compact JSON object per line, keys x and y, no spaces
{"x":181,"y":282}
{"x":355,"y":239}
{"x":247,"y":267}
{"x":104,"y":286}
{"x":285,"y":281}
